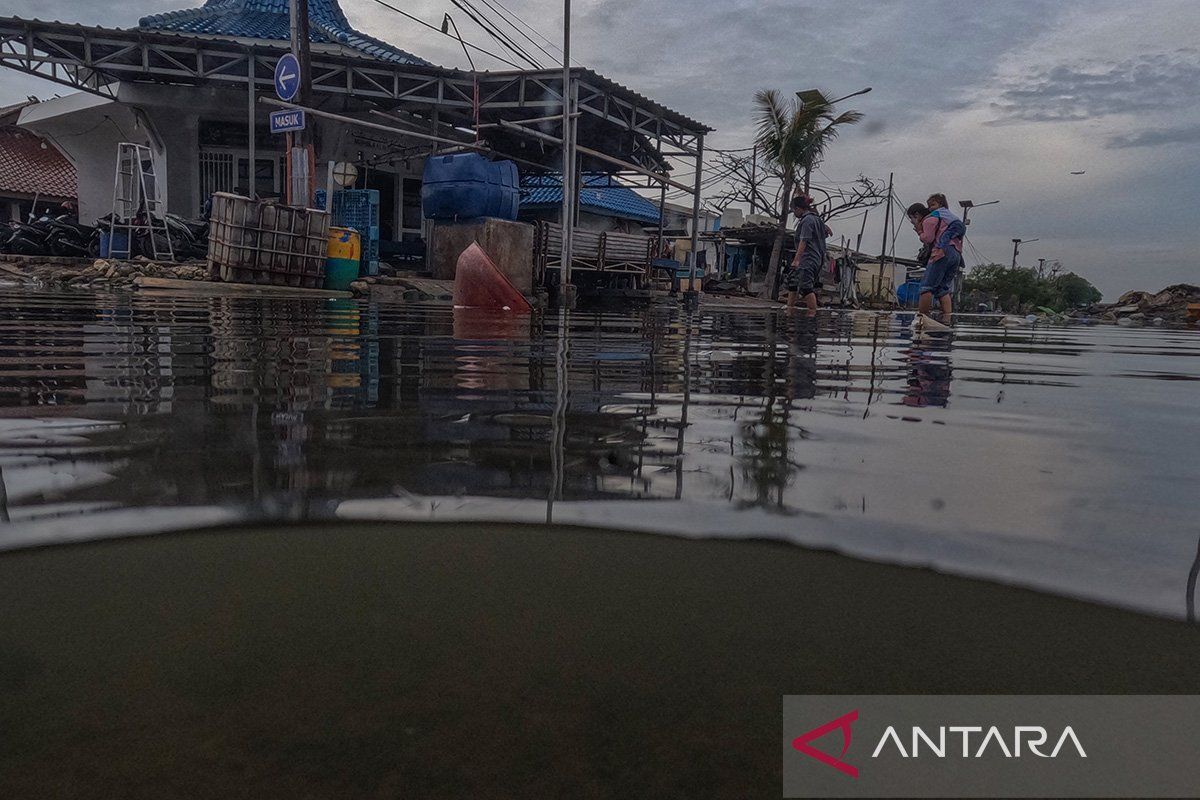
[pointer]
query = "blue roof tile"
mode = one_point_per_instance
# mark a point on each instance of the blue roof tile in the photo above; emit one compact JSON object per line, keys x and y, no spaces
{"x":270,"y":19}
{"x":546,"y":190}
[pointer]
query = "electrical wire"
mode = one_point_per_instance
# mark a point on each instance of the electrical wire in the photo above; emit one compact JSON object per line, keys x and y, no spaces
{"x":471,"y":45}
{"x":522,"y":33}
{"x":474,"y":13}
{"x":549,"y":42}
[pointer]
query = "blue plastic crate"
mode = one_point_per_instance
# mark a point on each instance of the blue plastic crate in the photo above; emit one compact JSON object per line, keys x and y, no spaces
{"x":359,"y":209}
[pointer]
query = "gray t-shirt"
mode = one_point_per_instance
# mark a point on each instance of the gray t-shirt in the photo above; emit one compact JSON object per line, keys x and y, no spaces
{"x":811,"y":230}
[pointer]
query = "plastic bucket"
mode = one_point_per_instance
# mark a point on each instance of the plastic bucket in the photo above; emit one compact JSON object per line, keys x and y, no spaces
{"x":118,"y":241}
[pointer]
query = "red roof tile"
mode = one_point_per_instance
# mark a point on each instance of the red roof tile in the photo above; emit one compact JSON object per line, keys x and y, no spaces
{"x":31,"y":165}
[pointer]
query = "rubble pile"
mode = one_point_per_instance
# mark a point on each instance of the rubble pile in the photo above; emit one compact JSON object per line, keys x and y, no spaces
{"x":403,"y":289}
{"x":1175,"y":305}
{"x":106,"y":274}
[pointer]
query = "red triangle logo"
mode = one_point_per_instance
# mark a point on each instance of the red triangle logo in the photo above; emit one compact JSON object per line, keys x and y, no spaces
{"x":844,"y":722}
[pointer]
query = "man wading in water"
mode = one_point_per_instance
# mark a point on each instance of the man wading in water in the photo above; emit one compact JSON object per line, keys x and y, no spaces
{"x":804,"y":277}
{"x":944,"y":233}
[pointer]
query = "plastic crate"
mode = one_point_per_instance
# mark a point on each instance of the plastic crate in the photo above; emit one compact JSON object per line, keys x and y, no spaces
{"x":233,"y":238}
{"x":253,"y":242}
{"x":359,"y":209}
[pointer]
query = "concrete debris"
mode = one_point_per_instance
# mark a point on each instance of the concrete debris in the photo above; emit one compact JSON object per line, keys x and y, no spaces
{"x":404,"y":289}
{"x":1175,"y":306}
{"x":102,"y":273}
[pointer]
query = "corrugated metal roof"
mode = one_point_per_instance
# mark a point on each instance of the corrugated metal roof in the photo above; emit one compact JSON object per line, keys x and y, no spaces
{"x":31,"y":165}
{"x":611,"y":201}
{"x":270,"y":19}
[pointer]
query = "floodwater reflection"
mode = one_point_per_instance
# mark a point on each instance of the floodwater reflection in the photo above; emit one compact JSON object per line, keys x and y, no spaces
{"x":1034,"y":456}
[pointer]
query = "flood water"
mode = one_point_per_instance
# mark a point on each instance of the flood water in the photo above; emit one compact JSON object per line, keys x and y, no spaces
{"x":1059,"y":458}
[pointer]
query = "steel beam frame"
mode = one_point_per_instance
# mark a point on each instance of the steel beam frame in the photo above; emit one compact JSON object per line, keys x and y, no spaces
{"x":96,"y":59}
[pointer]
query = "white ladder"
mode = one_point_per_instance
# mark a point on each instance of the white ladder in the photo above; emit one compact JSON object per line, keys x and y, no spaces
{"x":137,"y":207}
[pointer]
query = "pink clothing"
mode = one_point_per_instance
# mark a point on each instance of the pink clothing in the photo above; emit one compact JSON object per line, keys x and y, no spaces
{"x":931,"y":229}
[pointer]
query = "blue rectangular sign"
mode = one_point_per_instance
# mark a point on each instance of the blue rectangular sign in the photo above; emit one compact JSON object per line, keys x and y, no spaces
{"x":291,"y":119}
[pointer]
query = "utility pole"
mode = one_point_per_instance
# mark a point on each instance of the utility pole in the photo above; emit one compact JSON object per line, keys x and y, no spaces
{"x":251,"y":142}
{"x":300,"y":158}
{"x":303,"y":53}
{"x":753,"y":180}
{"x":662,"y":222}
{"x":695,"y":253}
{"x":567,"y":297}
{"x":887,"y":220}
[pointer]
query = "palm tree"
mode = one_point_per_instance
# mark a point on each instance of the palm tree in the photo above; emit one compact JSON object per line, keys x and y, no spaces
{"x":794,"y":136}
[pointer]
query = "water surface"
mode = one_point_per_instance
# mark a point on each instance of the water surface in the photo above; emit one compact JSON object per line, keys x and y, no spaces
{"x":1060,"y":458}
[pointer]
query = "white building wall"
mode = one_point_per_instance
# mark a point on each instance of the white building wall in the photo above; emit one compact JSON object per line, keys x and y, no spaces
{"x":88,"y":128}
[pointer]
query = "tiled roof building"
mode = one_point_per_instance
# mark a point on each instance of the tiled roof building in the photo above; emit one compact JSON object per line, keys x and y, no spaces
{"x":30,"y":165}
{"x":611,"y":201}
{"x":270,"y":19}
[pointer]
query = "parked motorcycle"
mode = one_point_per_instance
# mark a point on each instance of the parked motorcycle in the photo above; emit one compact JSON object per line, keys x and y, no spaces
{"x":26,"y":238}
{"x":189,"y":238}
{"x":66,"y":236}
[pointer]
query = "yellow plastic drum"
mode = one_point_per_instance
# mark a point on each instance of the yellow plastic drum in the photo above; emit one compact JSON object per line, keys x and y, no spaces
{"x":343,"y":258}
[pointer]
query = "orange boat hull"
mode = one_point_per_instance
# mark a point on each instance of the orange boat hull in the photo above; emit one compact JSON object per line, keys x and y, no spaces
{"x":479,"y":283}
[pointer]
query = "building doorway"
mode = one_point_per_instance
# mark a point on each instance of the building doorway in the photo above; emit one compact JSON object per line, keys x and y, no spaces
{"x":384,"y":182}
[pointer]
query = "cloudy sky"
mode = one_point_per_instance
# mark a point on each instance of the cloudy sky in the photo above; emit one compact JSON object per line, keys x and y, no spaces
{"x":982,"y":100}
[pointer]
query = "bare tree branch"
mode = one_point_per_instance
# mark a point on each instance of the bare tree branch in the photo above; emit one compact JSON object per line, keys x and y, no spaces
{"x":840,"y":201}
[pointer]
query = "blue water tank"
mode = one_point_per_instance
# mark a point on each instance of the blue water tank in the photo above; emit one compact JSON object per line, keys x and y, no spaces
{"x":467,"y":186}
{"x":908,"y":293}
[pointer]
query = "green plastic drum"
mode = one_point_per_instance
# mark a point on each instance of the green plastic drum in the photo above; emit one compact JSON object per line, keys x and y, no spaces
{"x":343,"y":259}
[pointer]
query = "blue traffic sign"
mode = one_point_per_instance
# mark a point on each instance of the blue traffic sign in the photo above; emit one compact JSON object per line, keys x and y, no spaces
{"x":287,"y":78}
{"x":291,"y":119}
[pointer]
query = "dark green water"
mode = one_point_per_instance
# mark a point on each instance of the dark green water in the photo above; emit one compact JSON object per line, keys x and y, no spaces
{"x":1060,"y":458}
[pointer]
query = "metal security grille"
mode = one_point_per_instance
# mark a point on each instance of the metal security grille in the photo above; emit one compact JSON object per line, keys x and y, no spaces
{"x":216,"y":174}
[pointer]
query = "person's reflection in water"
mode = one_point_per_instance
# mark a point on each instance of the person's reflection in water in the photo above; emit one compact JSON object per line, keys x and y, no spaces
{"x":766,"y":459}
{"x":1190,"y":599}
{"x":801,"y":375}
{"x":929,"y":373}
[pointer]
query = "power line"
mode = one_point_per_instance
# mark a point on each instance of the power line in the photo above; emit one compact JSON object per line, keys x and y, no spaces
{"x":444,"y":33}
{"x":470,"y":10}
{"x":525,"y":36}
{"x":529,"y":27}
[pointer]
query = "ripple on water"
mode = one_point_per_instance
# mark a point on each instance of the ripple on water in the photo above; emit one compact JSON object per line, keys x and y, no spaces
{"x":1063,"y":458}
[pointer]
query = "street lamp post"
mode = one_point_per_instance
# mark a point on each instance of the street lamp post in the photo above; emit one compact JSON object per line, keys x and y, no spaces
{"x":967,"y":205}
{"x":808,"y":96}
{"x":1017,"y":248}
{"x":816,"y":96}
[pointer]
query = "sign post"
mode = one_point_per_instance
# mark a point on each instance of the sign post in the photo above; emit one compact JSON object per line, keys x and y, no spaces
{"x":287,"y":78}
{"x":288,"y":120}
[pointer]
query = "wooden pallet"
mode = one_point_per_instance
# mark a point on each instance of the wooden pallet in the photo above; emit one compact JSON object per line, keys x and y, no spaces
{"x":609,"y":252}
